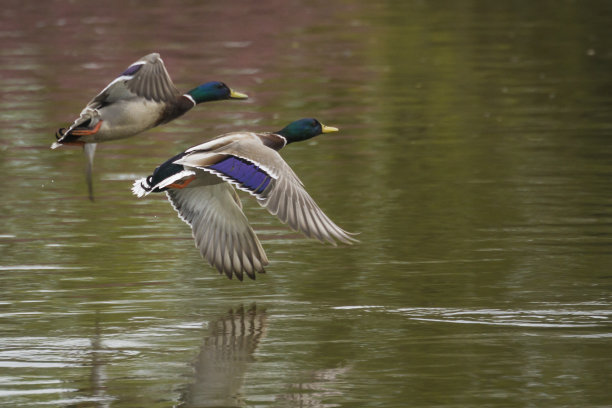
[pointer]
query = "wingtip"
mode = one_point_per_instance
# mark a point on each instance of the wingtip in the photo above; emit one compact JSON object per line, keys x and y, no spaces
{"x":342,"y":237}
{"x":350,"y":239}
{"x":239,"y":273}
{"x":347,"y":238}
{"x":151,"y":57}
{"x":227,"y":273}
{"x":253,"y":274}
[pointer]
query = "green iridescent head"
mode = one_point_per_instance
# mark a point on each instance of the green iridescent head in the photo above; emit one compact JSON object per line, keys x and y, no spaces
{"x":214,"y":91}
{"x":304,"y":129}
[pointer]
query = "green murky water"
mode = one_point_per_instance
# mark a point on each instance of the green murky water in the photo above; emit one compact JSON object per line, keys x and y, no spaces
{"x":475,"y":159}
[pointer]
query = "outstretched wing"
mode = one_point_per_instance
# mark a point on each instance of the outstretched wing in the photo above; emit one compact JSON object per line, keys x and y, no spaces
{"x":152,"y":81}
{"x":221,"y":230}
{"x":146,"y":78}
{"x":251,"y":166}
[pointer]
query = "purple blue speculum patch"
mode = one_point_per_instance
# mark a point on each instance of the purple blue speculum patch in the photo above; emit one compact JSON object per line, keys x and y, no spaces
{"x":249,"y":175}
{"x":132,"y":70}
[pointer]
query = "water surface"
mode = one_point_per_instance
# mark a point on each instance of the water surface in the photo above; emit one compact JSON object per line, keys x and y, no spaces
{"x":474,"y":158}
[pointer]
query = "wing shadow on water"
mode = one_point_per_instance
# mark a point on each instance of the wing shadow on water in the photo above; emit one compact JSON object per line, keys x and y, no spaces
{"x":224,"y":357}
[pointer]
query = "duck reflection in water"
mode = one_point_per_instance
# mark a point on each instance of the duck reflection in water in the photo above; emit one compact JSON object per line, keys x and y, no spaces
{"x":223,"y":359}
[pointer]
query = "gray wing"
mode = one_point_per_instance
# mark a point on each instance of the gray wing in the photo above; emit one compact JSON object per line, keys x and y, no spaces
{"x":285,"y":195}
{"x":146,"y":78}
{"x":221,"y":230}
{"x":286,"y":198}
{"x":152,"y":80}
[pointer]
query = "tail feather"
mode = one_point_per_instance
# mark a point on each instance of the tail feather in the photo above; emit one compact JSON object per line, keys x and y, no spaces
{"x":64,"y":136}
{"x":59,"y":136}
{"x":142,"y":187}
{"x":164,"y":175}
{"x":88,"y":119}
{"x":60,"y":133}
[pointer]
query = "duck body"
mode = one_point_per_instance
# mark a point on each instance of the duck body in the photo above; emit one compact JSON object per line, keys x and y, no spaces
{"x":142,"y":97}
{"x":125,"y":118}
{"x":200,"y":181}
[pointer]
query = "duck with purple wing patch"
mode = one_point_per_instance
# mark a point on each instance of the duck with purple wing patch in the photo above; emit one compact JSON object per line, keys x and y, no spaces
{"x":142,"y":97}
{"x":198,"y":183}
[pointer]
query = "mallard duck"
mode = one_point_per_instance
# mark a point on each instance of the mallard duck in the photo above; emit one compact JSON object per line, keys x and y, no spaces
{"x":142,"y":97}
{"x":198,"y":183}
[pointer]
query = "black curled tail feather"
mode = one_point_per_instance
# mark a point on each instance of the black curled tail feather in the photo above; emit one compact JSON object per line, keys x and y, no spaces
{"x":60,"y":133}
{"x":64,"y":135}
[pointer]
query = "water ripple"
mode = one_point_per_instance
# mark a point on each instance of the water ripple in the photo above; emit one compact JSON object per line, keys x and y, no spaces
{"x":543,"y":318}
{"x":536,"y":318}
